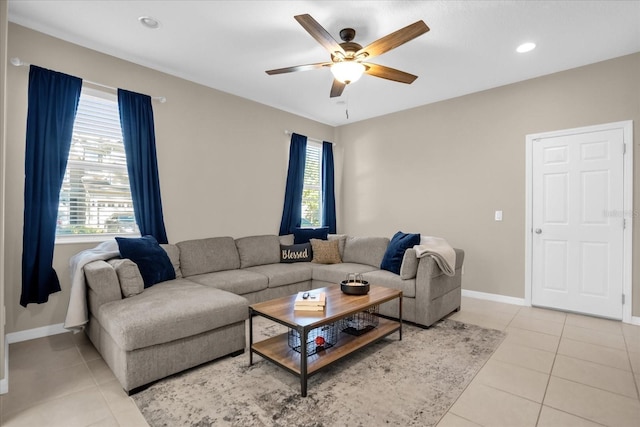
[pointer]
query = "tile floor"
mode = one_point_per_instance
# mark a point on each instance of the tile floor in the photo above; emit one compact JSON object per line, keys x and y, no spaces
{"x":552,"y":369}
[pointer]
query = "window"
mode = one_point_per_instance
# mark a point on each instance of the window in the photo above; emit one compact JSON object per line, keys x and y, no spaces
{"x":95,"y":197}
{"x":312,"y":187}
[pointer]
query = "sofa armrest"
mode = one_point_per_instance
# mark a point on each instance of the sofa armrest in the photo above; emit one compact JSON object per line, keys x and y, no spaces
{"x":102,"y":284}
{"x":432,"y":285}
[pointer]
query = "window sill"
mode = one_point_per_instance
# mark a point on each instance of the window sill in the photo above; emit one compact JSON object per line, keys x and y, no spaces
{"x":90,"y":238}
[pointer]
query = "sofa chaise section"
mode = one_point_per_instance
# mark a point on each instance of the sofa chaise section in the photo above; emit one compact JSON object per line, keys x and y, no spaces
{"x":171,"y":326}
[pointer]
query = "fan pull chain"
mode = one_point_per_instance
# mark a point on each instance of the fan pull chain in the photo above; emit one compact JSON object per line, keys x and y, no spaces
{"x":346,"y":110}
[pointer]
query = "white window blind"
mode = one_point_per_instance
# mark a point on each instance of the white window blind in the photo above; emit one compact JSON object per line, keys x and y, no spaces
{"x":312,"y":188}
{"x":95,"y":197}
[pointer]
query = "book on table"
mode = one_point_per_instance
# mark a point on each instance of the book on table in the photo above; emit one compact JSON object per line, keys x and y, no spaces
{"x":310,"y":301}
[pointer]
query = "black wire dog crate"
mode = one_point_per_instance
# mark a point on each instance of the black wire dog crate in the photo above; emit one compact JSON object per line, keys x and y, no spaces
{"x":361,"y":322}
{"x":318,"y":339}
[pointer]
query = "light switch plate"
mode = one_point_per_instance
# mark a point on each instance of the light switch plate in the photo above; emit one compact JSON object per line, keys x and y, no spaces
{"x":498,"y":216}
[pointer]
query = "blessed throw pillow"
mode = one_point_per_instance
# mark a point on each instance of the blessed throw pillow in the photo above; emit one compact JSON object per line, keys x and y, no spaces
{"x":295,"y":253}
{"x":400,"y":242}
{"x":153,"y":262}
{"x":325,"y":251}
{"x":303,"y":235}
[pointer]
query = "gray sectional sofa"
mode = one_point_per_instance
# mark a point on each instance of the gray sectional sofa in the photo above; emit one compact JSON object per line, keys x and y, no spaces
{"x":200,"y":316}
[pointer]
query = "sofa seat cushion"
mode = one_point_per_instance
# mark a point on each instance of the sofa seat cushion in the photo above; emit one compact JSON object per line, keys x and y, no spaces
{"x":169,"y":311}
{"x":284,"y":274}
{"x":336,"y":273}
{"x":393,"y":281}
{"x":239,"y":282}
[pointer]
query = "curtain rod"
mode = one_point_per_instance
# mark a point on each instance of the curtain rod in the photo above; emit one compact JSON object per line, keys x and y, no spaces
{"x":319,"y":141}
{"x":19,"y":63}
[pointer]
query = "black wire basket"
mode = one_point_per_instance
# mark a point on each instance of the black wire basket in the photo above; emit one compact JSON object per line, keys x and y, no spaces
{"x":318,"y":339}
{"x":362,"y":322}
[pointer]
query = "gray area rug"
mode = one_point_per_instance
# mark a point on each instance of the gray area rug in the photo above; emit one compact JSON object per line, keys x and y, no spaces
{"x":401,"y":383}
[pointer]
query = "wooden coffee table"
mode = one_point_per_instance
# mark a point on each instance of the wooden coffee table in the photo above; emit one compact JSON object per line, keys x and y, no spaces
{"x":339,"y":306}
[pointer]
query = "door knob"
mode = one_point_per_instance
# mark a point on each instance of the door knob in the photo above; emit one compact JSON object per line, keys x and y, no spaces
{"x":538,"y":231}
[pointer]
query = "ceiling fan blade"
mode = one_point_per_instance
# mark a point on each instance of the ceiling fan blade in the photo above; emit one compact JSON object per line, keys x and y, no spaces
{"x":336,"y":88}
{"x":393,"y":40}
{"x":319,"y":33}
{"x":298,"y":68}
{"x":389,"y":73}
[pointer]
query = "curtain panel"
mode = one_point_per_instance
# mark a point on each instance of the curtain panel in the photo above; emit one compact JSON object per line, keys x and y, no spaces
{"x":136,"y":119}
{"x":328,"y":190}
{"x":52,"y":103}
{"x":292,"y":210}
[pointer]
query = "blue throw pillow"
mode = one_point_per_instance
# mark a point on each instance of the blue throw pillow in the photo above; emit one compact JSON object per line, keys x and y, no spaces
{"x":303,"y":235}
{"x":400,"y":242}
{"x":153,"y":262}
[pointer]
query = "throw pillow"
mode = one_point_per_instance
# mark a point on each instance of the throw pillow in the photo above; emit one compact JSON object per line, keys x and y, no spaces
{"x":409,"y":267}
{"x":394,"y":254}
{"x":325,"y":251}
{"x":153,"y":262}
{"x":129,"y":276}
{"x":295,"y":253}
{"x":174,"y":255}
{"x":342,"y":239}
{"x":303,"y":235}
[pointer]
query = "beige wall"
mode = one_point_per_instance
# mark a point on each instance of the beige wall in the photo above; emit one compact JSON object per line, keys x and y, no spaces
{"x":443,"y":169}
{"x":222,"y":159}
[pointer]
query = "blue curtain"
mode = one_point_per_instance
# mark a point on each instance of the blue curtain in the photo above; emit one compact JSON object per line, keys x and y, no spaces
{"x":328,"y":190}
{"x":292,"y":210}
{"x":53,"y":101}
{"x":136,"y":119}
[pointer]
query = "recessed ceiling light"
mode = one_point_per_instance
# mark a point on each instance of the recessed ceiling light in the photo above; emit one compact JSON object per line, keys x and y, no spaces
{"x":149,"y":22}
{"x":526,"y":47}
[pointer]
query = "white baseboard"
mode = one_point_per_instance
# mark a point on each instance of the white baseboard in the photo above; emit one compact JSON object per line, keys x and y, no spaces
{"x":31,"y":334}
{"x":635,"y":320}
{"x":493,"y":297}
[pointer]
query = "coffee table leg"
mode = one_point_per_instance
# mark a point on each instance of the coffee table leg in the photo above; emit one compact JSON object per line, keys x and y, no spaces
{"x":400,"y":312}
{"x":250,"y":337}
{"x":303,"y":361}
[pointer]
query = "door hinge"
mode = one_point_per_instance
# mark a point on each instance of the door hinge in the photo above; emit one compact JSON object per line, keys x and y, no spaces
{"x":624,"y":149}
{"x":622,"y":299}
{"x":624,"y":223}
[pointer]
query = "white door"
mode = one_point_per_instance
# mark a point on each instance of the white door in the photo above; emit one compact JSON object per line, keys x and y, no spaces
{"x":577,"y":222}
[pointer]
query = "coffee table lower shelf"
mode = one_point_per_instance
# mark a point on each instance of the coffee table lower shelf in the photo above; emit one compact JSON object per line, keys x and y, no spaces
{"x":277,"y":350}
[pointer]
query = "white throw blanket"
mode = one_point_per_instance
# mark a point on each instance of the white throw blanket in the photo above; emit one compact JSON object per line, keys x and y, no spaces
{"x":440,"y":250}
{"x":77,"y":313}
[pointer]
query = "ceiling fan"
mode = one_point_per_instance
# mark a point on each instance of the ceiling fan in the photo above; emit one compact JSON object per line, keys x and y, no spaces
{"x":347,"y":58}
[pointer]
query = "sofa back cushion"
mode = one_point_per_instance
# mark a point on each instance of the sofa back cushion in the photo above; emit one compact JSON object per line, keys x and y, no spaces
{"x":258,"y":250}
{"x":208,"y":255}
{"x":365,"y":250}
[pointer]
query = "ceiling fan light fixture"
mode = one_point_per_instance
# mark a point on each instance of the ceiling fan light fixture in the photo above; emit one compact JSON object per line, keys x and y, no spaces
{"x":347,"y":71}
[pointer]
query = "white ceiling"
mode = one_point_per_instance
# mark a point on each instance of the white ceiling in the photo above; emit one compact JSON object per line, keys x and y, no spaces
{"x":228,"y":45}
